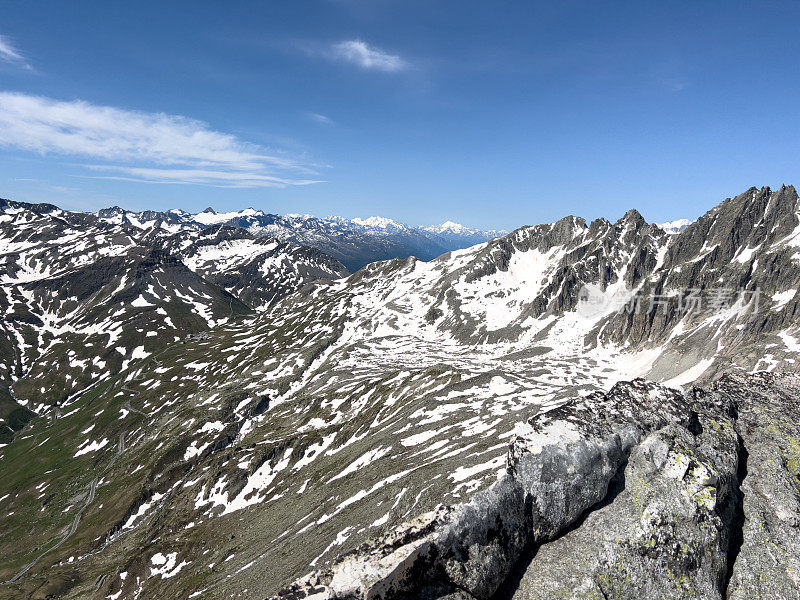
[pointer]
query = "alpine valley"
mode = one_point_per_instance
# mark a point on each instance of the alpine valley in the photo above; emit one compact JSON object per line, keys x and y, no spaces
{"x":247,"y":405}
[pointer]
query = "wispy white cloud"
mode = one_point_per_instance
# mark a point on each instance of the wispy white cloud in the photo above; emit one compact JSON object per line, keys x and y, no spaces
{"x":9,"y":54}
{"x":366,"y":56}
{"x":320,"y":118}
{"x":152,"y":147}
{"x":211,"y":177}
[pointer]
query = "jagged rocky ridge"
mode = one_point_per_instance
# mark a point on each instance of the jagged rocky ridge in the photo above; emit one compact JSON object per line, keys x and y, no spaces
{"x":234,"y":464}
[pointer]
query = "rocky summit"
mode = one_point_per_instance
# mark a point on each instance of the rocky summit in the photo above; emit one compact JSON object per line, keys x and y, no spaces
{"x":194,"y":408}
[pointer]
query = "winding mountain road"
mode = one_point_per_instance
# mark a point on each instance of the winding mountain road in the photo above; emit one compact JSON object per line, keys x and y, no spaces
{"x":92,"y":488}
{"x":76,"y":521}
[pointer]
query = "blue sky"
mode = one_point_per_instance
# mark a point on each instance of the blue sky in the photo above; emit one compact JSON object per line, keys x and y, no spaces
{"x":493,"y":114}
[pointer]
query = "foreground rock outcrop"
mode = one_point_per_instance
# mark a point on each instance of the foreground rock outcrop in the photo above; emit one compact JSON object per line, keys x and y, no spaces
{"x":665,"y":530}
{"x":642,"y":492}
{"x":767,"y":550}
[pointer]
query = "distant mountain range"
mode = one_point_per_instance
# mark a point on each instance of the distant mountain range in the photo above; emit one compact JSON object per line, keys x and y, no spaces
{"x":354,"y":242}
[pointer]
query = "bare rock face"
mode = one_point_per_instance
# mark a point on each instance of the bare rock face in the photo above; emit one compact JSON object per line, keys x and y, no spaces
{"x":664,"y":530}
{"x":638,"y":493}
{"x":767,"y":550}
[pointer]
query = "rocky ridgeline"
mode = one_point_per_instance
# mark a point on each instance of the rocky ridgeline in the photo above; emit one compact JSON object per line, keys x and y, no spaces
{"x":750,"y":242}
{"x":638,"y":493}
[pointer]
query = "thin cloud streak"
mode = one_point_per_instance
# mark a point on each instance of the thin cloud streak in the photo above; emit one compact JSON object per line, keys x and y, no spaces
{"x":225,"y":179}
{"x":320,"y":118}
{"x":9,"y":54}
{"x":365,"y":56}
{"x":150,"y":145}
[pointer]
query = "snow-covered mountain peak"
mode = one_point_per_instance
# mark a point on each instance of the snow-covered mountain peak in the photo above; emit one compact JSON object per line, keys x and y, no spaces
{"x":379,"y":222}
{"x":449,"y":226}
{"x":298,"y":216}
{"x":214,"y":218}
{"x":676,"y":226}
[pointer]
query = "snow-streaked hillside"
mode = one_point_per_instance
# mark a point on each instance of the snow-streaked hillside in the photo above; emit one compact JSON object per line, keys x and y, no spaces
{"x":257,"y":270}
{"x":83,"y":296}
{"x":398,"y":401}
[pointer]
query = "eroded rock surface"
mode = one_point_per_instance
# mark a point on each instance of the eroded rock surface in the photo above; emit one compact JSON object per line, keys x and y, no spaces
{"x":768,"y":562}
{"x":665,"y":530}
